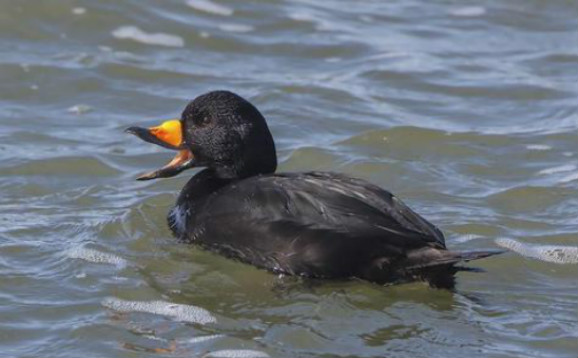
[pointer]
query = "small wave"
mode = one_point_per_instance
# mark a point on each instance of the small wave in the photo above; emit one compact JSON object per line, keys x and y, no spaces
{"x":236,"y":28}
{"x":569,"y":178}
{"x":180,"y":312}
{"x":201,"y":339}
{"x":550,"y":253}
{"x":80,"y":109}
{"x":96,"y":256}
{"x":138,"y":35}
{"x":210,"y":7}
{"x":237,"y":353}
{"x":62,"y":166}
{"x":467,"y":237}
{"x":301,"y":16}
{"x":78,"y":11}
{"x":333,"y":59}
{"x":559,"y":169}
{"x":538,"y":147}
{"x":468,"y":11}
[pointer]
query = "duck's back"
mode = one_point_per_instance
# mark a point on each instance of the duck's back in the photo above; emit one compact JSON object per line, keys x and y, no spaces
{"x":312,"y":224}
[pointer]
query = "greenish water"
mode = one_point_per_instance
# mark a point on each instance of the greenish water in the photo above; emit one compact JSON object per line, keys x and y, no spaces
{"x":467,"y":111}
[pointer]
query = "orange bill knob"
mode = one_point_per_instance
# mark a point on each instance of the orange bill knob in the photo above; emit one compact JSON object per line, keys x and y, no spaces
{"x":168,"y":135}
{"x":169,"y":132}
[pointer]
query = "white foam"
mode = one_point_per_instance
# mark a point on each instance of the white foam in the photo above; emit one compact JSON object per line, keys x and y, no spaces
{"x":538,"y":147}
{"x":467,"y":237}
{"x":559,"y":169}
{"x":236,"y":27}
{"x":301,"y":16}
{"x":550,"y":253}
{"x":179,"y":312}
{"x":79,"y":11}
{"x":468,"y":11}
{"x":138,"y":35}
{"x":237,"y":353}
{"x":333,"y":59}
{"x":201,"y":339}
{"x":366,"y":18}
{"x":80,"y":109}
{"x":96,"y":256}
{"x":569,"y":178}
{"x":210,"y":7}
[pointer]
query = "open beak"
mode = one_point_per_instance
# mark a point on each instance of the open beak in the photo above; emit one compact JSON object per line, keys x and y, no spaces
{"x":168,"y":135}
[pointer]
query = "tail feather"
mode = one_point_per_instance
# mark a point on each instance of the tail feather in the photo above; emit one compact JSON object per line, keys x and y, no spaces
{"x":440,"y":273}
{"x":435,"y":266}
{"x":477,"y":254}
{"x":442,"y":258}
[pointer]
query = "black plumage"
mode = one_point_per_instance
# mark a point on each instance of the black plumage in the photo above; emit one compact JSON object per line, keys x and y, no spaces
{"x":315,"y":224}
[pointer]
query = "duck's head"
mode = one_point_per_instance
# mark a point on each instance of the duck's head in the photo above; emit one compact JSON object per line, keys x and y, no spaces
{"x":217,"y":130}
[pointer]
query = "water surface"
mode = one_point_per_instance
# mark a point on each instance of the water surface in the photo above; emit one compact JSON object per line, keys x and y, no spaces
{"x":467,"y":111}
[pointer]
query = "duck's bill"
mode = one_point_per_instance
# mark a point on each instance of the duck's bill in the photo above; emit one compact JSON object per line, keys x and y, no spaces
{"x":168,"y":135}
{"x":182,"y":161}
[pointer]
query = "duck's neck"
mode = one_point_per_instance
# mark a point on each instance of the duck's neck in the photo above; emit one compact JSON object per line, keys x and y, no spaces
{"x":202,"y":184}
{"x":256,"y":164}
{"x":192,"y":197}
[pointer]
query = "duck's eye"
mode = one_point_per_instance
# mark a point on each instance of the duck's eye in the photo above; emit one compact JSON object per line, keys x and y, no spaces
{"x":203,"y":120}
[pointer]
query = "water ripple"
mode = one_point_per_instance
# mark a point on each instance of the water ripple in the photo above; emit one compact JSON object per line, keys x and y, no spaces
{"x":179,"y":312}
{"x":96,"y":256}
{"x":465,"y":111}
{"x":138,"y":35}
{"x":549,"y":253}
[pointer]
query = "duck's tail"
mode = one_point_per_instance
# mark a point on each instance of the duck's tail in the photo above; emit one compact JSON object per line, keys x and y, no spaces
{"x":476,"y":254}
{"x":440,"y":273}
